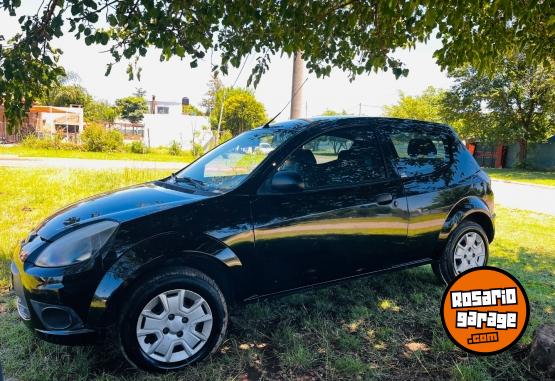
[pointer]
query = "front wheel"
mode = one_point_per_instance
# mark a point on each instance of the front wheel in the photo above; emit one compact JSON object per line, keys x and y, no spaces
{"x":467,"y":248}
{"x":174,"y":319}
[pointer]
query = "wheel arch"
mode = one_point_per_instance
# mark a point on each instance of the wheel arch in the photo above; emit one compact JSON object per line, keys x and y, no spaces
{"x":211,"y":257}
{"x":468,"y":209}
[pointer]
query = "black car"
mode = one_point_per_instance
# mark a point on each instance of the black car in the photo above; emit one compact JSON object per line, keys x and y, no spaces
{"x":277,"y":209}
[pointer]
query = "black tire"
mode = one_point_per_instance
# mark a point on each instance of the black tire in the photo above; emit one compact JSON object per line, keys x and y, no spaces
{"x":437,"y":272}
{"x":171,"y":279}
{"x":444,"y":267}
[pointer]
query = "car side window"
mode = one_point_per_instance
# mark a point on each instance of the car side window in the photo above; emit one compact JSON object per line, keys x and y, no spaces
{"x":343,"y":157}
{"x":418,"y":152}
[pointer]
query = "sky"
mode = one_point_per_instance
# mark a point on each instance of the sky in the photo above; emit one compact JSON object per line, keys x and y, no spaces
{"x":174,"y":79}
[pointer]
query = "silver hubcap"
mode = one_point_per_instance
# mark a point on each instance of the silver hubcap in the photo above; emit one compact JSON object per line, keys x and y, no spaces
{"x":469,"y":253}
{"x":174,"y":325}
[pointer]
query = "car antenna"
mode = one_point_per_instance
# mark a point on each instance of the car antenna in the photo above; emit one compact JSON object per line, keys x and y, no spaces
{"x":284,"y":107}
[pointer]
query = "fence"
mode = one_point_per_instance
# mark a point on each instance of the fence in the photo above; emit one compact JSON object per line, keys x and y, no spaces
{"x":539,"y":155}
{"x":485,"y":155}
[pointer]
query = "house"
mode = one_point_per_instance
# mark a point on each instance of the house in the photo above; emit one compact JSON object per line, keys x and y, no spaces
{"x":45,"y":121}
{"x":186,"y":130}
{"x":167,"y":108}
{"x":166,"y":123}
{"x":68,"y":121}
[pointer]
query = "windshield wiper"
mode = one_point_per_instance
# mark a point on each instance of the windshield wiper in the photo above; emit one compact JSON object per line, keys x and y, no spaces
{"x":189,"y":180}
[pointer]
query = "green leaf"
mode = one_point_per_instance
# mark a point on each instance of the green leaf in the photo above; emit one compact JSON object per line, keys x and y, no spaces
{"x":112,"y":20}
{"x":92,"y":17}
{"x":89,"y":39}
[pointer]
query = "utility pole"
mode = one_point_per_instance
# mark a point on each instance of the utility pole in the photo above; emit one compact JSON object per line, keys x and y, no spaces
{"x":296,"y":91}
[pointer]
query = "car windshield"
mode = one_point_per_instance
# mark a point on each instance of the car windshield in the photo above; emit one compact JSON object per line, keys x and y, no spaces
{"x":228,"y":165}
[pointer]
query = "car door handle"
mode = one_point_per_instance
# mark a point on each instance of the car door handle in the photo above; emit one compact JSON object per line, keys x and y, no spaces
{"x":384,"y":199}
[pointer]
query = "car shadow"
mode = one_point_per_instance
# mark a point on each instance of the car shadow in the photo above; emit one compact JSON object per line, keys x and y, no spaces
{"x":258,"y":325}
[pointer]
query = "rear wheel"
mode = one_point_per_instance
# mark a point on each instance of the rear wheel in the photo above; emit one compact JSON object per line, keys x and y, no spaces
{"x":174,"y":319}
{"x":467,"y":248}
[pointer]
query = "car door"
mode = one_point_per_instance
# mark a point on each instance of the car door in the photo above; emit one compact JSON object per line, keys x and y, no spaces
{"x":351,"y":218}
{"x":422,"y":155}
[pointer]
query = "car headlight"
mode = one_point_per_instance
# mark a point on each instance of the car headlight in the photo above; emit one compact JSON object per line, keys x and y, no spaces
{"x":77,"y":246}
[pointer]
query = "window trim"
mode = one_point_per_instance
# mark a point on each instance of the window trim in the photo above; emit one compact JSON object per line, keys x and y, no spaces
{"x":266,"y":189}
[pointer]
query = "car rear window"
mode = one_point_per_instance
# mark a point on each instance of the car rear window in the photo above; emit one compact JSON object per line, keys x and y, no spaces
{"x":419,"y":152}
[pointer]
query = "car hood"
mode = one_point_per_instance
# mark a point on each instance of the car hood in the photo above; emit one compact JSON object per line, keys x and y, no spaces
{"x":120,"y":205}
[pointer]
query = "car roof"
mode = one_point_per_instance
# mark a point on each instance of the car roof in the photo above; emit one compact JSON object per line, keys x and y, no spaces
{"x":324,"y":121}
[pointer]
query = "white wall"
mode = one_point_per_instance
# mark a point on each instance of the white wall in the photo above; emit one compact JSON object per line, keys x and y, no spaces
{"x":162,"y":129}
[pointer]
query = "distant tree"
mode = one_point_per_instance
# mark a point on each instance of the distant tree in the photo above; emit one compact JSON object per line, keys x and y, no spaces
{"x":70,"y":78}
{"x":330,"y":112}
{"x":100,"y":112}
{"x":139,"y":92}
{"x":191,"y":110}
{"x":516,"y":104}
{"x":70,"y":92}
{"x":132,"y":108}
{"x":66,"y":95}
{"x":427,"y":106}
{"x":242,"y":111}
{"x":209,"y":100}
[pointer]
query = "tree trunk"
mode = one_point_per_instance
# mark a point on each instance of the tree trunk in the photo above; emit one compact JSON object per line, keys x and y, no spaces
{"x":296,"y":91}
{"x":523,"y":145}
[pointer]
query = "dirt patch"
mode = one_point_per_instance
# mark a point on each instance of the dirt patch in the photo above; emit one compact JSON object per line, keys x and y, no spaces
{"x":251,"y":374}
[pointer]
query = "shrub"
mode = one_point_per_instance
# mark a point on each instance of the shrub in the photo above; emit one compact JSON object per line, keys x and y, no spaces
{"x":225,"y":135}
{"x":138,"y":147}
{"x":197,"y":150}
{"x":93,"y":138}
{"x":32,"y":141}
{"x":54,"y":142}
{"x":174,"y":148}
{"x":97,"y":139}
{"x":114,"y":141}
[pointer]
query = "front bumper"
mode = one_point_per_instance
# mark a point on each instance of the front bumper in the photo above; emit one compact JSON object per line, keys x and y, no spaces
{"x":39,"y":306}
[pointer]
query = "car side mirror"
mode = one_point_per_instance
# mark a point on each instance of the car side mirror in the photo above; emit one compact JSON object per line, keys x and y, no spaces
{"x":287,"y":181}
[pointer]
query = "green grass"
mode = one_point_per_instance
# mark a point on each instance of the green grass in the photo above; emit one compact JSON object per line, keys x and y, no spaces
{"x":381,"y":327}
{"x":155,"y":154}
{"x":522,"y":176}
{"x":28,"y":196}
